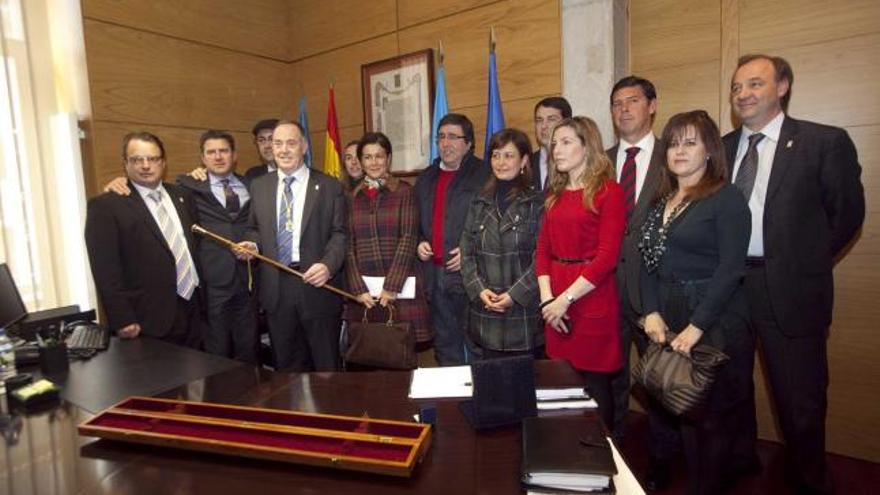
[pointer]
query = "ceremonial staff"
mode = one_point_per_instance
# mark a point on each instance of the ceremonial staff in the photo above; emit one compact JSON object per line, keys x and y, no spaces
{"x":198,"y":229}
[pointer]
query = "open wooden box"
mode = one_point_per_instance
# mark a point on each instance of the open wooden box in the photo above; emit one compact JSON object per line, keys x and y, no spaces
{"x":343,"y":442}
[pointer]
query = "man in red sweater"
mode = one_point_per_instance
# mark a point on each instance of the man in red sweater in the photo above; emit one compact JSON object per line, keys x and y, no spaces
{"x":444,"y":192}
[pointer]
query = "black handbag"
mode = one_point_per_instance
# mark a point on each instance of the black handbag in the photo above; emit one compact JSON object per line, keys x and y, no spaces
{"x":387,"y":344}
{"x":680,"y":383}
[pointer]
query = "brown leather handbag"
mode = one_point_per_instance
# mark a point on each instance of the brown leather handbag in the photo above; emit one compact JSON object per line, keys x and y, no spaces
{"x":387,"y":344}
{"x":679,"y":382}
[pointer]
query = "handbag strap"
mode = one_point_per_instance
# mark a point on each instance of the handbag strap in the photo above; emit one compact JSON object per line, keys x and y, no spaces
{"x":390,"y":314}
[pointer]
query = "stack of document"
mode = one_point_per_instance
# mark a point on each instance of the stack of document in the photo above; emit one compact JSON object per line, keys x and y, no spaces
{"x":551,"y":399}
{"x":566,"y":455}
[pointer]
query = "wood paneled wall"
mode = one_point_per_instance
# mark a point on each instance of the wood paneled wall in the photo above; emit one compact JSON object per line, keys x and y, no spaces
{"x":178,"y":68}
{"x":688,"y":48}
{"x":329,"y":43}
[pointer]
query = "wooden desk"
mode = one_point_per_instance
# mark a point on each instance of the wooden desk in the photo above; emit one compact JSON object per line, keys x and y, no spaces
{"x":48,"y":457}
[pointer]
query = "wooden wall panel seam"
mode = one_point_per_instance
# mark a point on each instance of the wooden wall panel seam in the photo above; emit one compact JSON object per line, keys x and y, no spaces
{"x":441,"y":17}
{"x":342,"y":47}
{"x":532,"y":98}
{"x":185,"y":40}
{"x":178,"y":126}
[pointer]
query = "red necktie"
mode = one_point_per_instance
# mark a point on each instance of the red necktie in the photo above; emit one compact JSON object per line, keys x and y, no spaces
{"x":628,"y":179}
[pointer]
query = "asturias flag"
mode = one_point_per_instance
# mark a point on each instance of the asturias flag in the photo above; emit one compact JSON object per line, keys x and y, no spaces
{"x":494,"y":114}
{"x":304,"y":122}
{"x":441,"y":108}
{"x":332,"y":148}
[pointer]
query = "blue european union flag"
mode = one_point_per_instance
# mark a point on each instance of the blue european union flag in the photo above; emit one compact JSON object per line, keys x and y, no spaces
{"x":304,"y":122}
{"x":441,"y":108}
{"x":494,"y":113}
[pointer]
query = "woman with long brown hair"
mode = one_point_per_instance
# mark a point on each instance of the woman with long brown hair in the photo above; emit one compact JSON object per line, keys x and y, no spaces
{"x":577,"y":252}
{"x":693,"y":246}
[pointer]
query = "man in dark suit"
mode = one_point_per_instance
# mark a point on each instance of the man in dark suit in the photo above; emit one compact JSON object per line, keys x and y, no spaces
{"x":444,"y":192}
{"x":223,"y":204}
{"x":548,"y":112}
{"x":140,"y":248}
{"x":298,"y":217}
{"x":262,"y":132}
{"x":802,"y":183}
{"x":639,"y":161}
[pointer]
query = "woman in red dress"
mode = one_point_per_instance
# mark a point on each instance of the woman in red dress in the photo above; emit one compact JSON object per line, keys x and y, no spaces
{"x":577,"y":251}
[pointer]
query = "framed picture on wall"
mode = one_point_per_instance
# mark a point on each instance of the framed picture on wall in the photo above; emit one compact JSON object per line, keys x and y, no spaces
{"x":398,"y":94}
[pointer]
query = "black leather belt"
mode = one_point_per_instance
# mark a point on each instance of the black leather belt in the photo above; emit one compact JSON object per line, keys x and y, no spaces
{"x":569,"y":261}
{"x":754,"y":261}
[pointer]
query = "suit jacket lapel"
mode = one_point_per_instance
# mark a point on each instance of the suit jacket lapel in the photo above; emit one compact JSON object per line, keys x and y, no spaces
{"x":271,"y":201}
{"x":731,"y":143}
{"x":183,"y":214}
{"x":137,"y":204}
{"x":203,"y":187}
{"x":313,"y":191}
{"x":652,"y":180}
{"x":783,"y":156}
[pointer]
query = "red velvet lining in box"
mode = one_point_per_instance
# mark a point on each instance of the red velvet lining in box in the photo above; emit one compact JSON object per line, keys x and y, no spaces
{"x":276,"y":418}
{"x":258,"y":438}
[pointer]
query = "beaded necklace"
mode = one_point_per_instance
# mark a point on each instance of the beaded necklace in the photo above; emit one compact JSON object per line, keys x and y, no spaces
{"x":652,"y":242}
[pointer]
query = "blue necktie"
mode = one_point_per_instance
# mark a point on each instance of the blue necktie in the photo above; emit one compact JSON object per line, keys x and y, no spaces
{"x":285,"y":223}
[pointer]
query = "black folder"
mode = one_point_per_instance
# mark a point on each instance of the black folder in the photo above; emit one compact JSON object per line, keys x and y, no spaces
{"x":504,"y":392}
{"x":569,"y":454}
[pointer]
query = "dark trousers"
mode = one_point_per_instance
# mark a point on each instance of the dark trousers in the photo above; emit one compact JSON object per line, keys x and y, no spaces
{"x":599,"y":386}
{"x":189,"y":326}
{"x":298,"y":343}
{"x":707,"y":448}
{"x":664,"y":438}
{"x":449,"y":320}
{"x":797,"y":369}
{"x":620,"y":384}
{"x":232,"y":320}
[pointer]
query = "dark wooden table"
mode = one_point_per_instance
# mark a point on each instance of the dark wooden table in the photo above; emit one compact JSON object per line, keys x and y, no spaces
{"x":43,"y":453}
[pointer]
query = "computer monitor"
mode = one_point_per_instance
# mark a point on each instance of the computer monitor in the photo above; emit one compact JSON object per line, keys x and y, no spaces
{"x":11,"y":306}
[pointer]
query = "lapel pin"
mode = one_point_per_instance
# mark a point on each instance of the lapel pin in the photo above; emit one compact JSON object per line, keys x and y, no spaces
{"x":317,"y":187}
{"x":180,"y":199}
{"x":789,"y":143}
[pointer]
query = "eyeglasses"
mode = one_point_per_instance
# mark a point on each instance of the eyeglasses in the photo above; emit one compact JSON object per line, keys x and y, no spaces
{"x":137,"y":160}
{"x":448,"y":137}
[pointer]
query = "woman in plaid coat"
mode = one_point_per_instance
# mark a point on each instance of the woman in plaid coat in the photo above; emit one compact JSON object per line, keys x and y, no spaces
{"x":497,"y":255}
{"x":383,"y":230}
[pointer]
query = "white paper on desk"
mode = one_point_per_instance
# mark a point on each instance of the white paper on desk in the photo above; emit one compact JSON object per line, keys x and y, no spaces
{"x":567,"y":404}
{"x":624,"y":480}
{"x":374,"y":287}
{"x":441,"y":382}
{"x":561,"y":393}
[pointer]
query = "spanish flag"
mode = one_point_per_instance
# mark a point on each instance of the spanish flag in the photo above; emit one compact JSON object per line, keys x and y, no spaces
{"x":332,"y":148}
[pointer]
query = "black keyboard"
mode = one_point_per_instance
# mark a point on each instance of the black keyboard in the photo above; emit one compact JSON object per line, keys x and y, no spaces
{"x":87,"y":336}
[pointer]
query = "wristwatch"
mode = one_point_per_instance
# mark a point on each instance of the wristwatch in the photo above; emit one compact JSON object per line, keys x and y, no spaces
{"x":568,"y":297}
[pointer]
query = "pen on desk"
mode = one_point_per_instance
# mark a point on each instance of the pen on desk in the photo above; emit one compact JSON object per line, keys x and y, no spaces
{"x":590,"y":443}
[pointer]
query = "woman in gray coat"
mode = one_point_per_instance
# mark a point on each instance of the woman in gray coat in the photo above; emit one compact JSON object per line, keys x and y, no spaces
{"x":498,"y":252}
